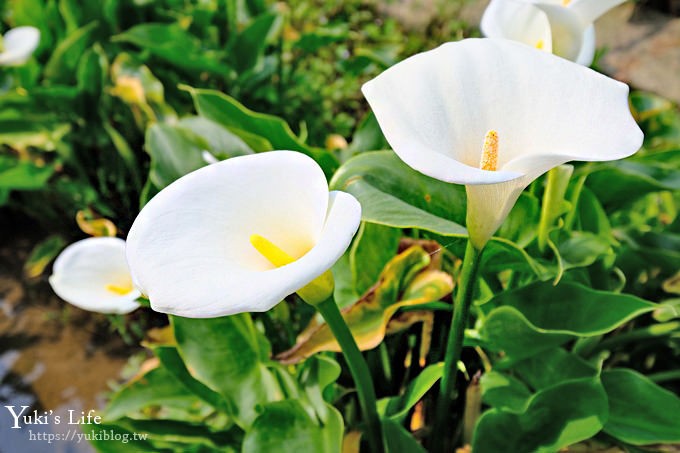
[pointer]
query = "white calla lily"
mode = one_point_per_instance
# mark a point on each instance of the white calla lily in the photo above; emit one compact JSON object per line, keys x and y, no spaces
{"x":92,"y":274}
{"x":563,"y":27}
{"x":529,"y":110}
{"x":17,"y":45}
{"x":240,"y":235}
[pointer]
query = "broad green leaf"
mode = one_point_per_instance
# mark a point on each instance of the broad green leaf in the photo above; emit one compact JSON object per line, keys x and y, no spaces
{"x":540,"y":316}
{"x":233,"y":115}
{"x":314,"y":377}
{"x":23,"y":133}
{"x":171,"y":360}
{"x":640,"y":412}
{"x":554,"y":418}
{"x":177,"y":435}
{"x":552,"y":366}
{"x":174,"y":153}
{"x":156,"y":387}
{"x":250,"y":43}
{"x":367,"y":137}
{"x":583,"y":249}
{"x":406,"y":281}
{"x":620,"y":182}
{"x":521,"y":224}
{"x":42,"y":254}
{"x":175,"y":45}
{"x":373,"y":247}
{"x":398,"y":440}
{"x":64,"y":59}
{"x":22,"y":174}
{"x":503,"y":391}
{"x":397,"y":407}
{"x":393,"y":194}
{"x":286,"y":426}
{"x":225,"y":354}
{"x":221,"y":141}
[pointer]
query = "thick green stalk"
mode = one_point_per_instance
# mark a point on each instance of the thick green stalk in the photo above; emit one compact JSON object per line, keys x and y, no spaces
{"x":442,"y":433}
{"x":360,"y":372}
{"x":553,"y":198}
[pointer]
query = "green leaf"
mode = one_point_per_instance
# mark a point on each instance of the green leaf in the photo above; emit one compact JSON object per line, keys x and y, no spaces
{"x":250,"y":43}
{"x":521,"y":224}
{"x":554,"y":418}
{"x":64,"y":59}
{"x":540,"y":316}
{"x":231,"y":114}
{"x":373,"y":247}
{"x":222,"y":143}
{"x":393,"y":194}
{"x":398,"y":407}
{"x":618,"y":183}
{"x":504,"y":392}
{"x":286,"y":426}
{"x":174,"y":153}
{"x":42,"y":254}
{"x":156,"y":387}
{"x":224,"y":353}
{"x":175,"y":45}
{"x":551,"y":366}
{"x":398,"y":440}
{"x":640,"y":412}
{"x":23,"y":175}
{"x":583,"y":249}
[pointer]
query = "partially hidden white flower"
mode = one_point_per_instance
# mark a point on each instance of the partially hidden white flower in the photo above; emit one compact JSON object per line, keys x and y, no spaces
{"x":92,"y":274}
{"x":494,"y":115}
{"x":17,"y":45}
{"x":240,"y":235}
{"x":563,"y":27}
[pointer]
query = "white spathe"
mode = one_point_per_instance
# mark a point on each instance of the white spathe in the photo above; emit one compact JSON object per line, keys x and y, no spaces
{"x":564,"y":28}
{"x":190,"y":252}
{"x":92,"y":274}
{"x":436,"y":107}
{"x":18,"y":45}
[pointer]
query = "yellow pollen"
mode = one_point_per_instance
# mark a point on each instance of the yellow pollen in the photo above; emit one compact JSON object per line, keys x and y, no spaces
{"x":489,"y":159}
{"x":566,"y":2}
{"x":540,"y":44}
{"x":120,"y":290}
{"x":269,"y":250}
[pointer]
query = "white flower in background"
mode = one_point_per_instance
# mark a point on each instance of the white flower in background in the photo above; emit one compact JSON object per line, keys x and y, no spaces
{"x":92,"y":274}
{"x":17,"y":45}
{"x":240,"y":235}
{"x":494,"y":115}
{"x":563,"y":27}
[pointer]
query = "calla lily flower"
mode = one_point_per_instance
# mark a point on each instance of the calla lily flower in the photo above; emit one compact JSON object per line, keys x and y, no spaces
{"x":92,"y":274}
{"x":240,"y":235}
{"x":17,"y":45}
{"x":494,"y":115}
{"x":563,"y":27}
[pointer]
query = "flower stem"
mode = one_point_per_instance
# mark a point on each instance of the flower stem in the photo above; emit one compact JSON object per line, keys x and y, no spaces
{"x":447,"y":392}
{"x":360,"y":372}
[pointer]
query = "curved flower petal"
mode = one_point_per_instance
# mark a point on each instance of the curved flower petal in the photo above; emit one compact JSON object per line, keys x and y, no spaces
{"x":92,"y":274}
{"x":189,"y":249}
{"x":546,"y":111}
{"x":591,"y":10}
{"x":517,"y":21}
{"x":587,"y":53}
{"x":541,"y":106}
{"x":18,"y":44}
{"x":566,"y":28}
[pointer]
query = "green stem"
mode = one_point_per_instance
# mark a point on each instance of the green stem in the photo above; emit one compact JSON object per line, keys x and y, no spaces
{"x":447,"y":392}
{"x":553,"y":197}
{"x":643,"y":333}
{"x":665,"y":376}
{"x":360,"y":372}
